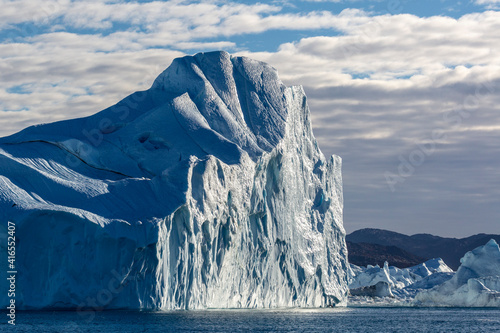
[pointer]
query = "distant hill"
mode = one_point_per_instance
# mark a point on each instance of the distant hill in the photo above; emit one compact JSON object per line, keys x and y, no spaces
{"x":422,"y":245}
{"x":363,"y":254}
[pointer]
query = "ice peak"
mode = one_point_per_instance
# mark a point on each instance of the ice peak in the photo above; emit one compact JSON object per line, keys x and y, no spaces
{"x":489,"y":250}
{"x":492,"y":243}
{"x":241,"y":98}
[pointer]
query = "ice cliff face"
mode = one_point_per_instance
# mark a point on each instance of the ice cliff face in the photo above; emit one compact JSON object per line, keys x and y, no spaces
{"x":206,"y":191}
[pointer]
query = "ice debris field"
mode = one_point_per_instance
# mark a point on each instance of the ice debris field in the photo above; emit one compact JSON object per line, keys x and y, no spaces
{"x":475,"y":284}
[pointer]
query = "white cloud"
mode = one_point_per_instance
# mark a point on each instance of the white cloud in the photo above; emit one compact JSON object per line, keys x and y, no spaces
{"x":195,"y":19}
{"x":486,"y":2}
{"x":489,"y":4}
{"x":33,"y":11}
{"x":395,"y":46}
{"x":68,"y":83}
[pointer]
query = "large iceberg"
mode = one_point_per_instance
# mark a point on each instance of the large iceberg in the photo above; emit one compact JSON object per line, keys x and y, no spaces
{"x":476,"y":283}
{"x":206,"y":191}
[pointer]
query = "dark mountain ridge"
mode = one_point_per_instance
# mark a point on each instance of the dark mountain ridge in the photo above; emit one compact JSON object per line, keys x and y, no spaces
{"x":423,"y":245}
{"x":364,"y":254}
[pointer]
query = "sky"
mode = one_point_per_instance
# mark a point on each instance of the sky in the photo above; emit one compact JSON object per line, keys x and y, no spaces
{"x":406,"y":92}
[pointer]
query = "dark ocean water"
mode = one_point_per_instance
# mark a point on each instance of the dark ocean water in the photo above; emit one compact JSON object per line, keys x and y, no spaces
{"x":300,"y":320}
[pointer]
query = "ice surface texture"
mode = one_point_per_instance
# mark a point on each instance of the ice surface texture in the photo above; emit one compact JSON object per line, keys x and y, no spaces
{"x":476,"y":283}
{"x":206,"y":191}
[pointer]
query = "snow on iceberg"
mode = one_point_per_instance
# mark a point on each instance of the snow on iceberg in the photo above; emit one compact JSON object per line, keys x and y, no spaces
{"x":206,"y":191}
{"x":476,"y":283}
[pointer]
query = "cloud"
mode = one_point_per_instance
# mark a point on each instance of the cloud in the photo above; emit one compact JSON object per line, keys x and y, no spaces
{"x":487,"y":2}
{"x":67,"y":83}
{"x":393,"y":46}
{"x":35,"y":11}
{"x":184,"y":20}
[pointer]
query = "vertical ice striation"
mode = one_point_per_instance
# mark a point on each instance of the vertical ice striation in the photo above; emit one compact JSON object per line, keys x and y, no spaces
{"x":206,"y":191}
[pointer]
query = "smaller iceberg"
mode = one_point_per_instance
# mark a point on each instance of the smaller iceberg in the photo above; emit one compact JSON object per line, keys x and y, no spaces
{"x":398,"y":284}
{"x":475,"y":284}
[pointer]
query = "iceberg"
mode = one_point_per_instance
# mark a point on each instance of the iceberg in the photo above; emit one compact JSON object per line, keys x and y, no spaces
{"x":394,"y":276}
{"x":475,"y":284}
{"x":207,"y":190}
{"x":393,"y":285}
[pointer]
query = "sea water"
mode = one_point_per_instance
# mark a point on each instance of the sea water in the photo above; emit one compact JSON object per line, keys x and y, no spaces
{"x":294,"y":320}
